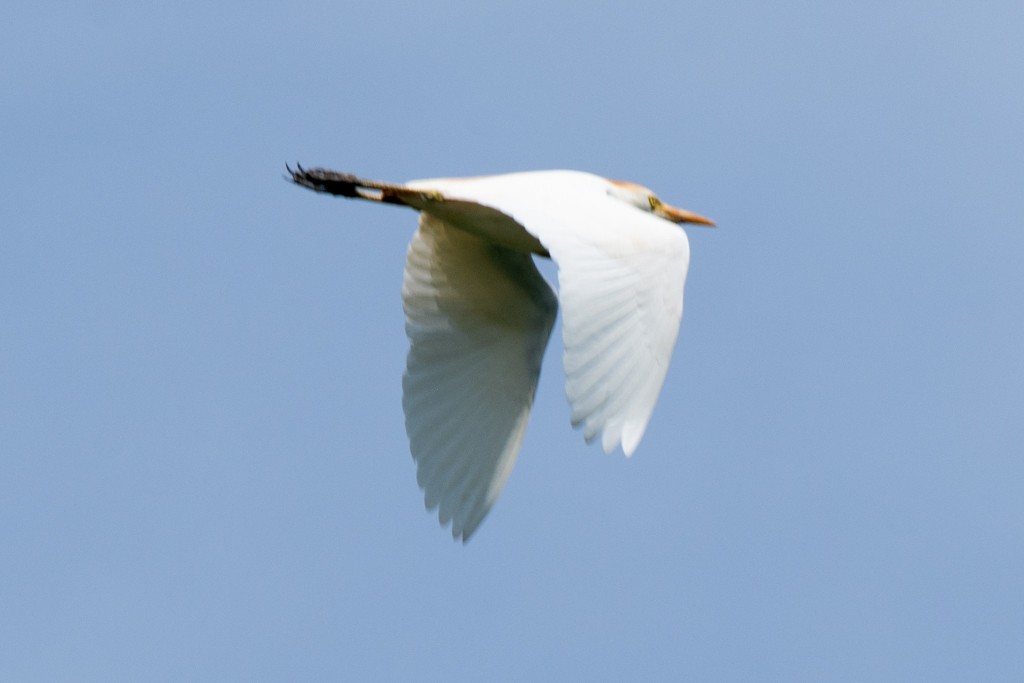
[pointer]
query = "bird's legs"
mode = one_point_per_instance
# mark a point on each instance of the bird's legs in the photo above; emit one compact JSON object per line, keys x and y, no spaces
{"x":347,"y":185}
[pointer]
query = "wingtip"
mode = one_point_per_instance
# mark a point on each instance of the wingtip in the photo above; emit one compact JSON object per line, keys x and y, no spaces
{"x":631,"y":436}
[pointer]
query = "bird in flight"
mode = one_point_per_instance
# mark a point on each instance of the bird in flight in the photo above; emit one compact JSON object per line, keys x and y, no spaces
{"x":478,"y":315}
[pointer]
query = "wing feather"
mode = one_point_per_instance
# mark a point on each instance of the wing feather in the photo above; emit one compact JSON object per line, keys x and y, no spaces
{"x":478,"y":317}
{"x":643,"y":326}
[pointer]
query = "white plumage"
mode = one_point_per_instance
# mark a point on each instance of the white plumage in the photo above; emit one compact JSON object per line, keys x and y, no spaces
{"x":479,"y":314}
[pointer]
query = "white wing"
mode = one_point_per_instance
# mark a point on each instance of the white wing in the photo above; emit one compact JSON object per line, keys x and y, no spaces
{"x":478,"y":319}
{"x":621,"y":273}
{"x":622,"y":306}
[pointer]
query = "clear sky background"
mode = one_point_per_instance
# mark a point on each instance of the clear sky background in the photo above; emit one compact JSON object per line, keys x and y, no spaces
{"x":204,"y":473}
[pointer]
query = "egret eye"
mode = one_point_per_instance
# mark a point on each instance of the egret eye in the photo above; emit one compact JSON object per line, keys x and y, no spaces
{"x":653,"y":201}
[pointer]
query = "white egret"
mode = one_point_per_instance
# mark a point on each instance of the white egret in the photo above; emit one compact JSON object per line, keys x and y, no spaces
{"x":479,"y":314}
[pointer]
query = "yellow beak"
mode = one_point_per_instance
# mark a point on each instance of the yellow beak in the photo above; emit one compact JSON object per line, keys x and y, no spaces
{"x":682,"y":215}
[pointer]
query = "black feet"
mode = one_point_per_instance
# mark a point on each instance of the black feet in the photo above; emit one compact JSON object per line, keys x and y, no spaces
{"x":323,"y":180}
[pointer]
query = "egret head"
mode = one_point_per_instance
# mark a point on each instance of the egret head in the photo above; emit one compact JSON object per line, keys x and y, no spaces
{"x":645,"y":200}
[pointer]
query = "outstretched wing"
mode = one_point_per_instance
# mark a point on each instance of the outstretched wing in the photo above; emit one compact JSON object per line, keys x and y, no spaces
{"x":478,"y":317}
{"x":622,"y":302}
{"x":621,"y":273}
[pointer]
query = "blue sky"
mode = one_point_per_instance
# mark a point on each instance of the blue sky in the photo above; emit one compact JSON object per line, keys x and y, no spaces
{"x":203,"y":468}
